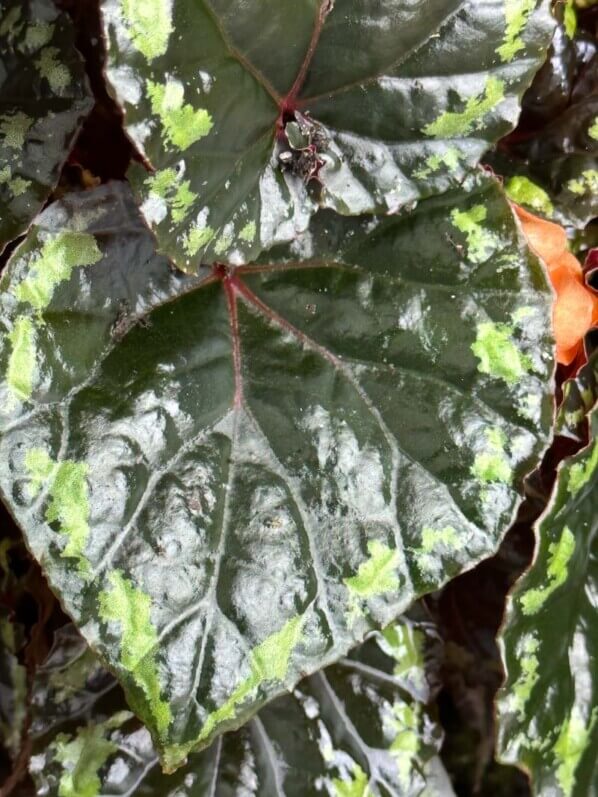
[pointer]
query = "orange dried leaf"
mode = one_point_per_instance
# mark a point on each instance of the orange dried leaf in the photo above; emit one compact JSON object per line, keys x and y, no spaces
{"x":576,"y":306}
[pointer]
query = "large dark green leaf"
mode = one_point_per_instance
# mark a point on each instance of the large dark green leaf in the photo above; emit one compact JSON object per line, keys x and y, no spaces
{"x":358,"y":729}
{"x":401,"y":108}
{"x":231,"y":478}
{"x":548,"y":710}
{"x":43,"y":99}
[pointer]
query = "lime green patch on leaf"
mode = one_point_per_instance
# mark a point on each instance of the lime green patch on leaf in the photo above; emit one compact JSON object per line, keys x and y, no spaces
{"x":50,"y":68}
{"x":570,"y":19}
{"x":449,"y":158}
{"x":516,"y":15}
{"x":481,"y":243}
{"x":498,"y":353}
{"x":196,"y":238}
{"x":523,"y":686}
{"x":522,"y":190}
{"x":569,"y":748}
{"x":248,"y":232}
{"x":181,"y":123}
{"x":593,"y":130}
{"x":59,"y":256}
{"x":406,"y":645}
{"x":452,"y":124}
{"x":38,"y":34}
{"x":23,"y":359}
{"x":493,"y":465}
{"x":83,"y":756}
{"x":269,"y":661}
{"x":69,"y":505}
{"x":580,"y":473}
{"x":130,"y":607}
{"x":149,"y":25}
{"x":377,"y":574}
{"x":14,"y":128}
{"x":587,"y":183}
{"x":357,"y":786}
{"x":433,"y":541}
{"x":560,"y":554}
{"x":405,"y":746}
{"x":176,"y":193}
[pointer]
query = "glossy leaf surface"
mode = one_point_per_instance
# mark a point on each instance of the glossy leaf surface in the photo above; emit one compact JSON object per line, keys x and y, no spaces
{"x":548,"y":720}
{"x":43,"y":99}
{"x":360,"y":727}
{"x":399,"y":108}
{"x":229,"y":479}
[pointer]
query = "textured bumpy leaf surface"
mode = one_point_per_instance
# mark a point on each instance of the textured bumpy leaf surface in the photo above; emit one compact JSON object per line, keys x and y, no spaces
{"x":231,"y":478}
{"x":405,"y":109}
{"x":43,"y":99}
{"x":548,"y":715}
{"x":360,"y":727}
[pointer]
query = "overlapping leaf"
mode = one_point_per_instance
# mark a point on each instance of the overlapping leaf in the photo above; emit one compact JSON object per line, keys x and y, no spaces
{"x":580,"y":393}
{"x":231,"y":478}
{"x":552,"y":164}
{"x":548,"y":716}
{"x":361,"y":727}
{"x":400,"y":109}
{"x":43,"y":99}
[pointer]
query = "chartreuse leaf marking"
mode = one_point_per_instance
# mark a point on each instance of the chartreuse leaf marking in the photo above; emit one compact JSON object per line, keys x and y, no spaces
{"x":593,"y":130}
{"x":556,"y":574}
{"x":517,"y":13}
{"x":44,"y":97}
{"x":452,"y":124}
{"x":570,"y":18}
{"x":586,"y":183}
{"x":405,"y":745}
{"x":434,"y":542}
{"x":130,"y":607}
{"x":492,"y":464}
{"x":55,"y":72}
{"x":480,"y":241}
{"x":193,"y":81}
{"x":547,"y":709}
{"x":58,"y":257}
{"x":168,"y":192}
{"x":269,"y":661}
{"x":16,"y":185}
{"x":571,"y":744}
{"x":23,"y":358}
{"x":37,"y":34}
{"x":522,"y":190}
{"x":149,"y":25}
{"x":237,"y":538}
{"x":522,"y":688}
{"x":498,"y":353}
{"x":83,"y":756}
{"x":356,"y":785}
{"x":66,"y":483}
{"x":14,"y":128}
{"x":361,"y":732}
{"x":181,"y":123}
{"x":378,"y":574}
{"x":581,"y":472}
